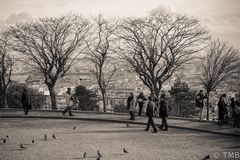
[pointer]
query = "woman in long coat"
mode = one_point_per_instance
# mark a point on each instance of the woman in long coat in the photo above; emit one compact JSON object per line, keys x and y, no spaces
{"x":221,"y":109}
{"x":26,"y":103}
{"x":163,"y":112}
{"x":131,"y":105}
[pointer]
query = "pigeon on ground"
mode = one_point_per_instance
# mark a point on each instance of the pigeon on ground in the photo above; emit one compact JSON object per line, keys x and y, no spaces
{"x":53,"y":136}
{"x":33,"y":141}
{"x":125,"y":151}
{"x":99,"y":154}
{"x":21,"y":146}
{"x":84,"y":155}
{"x":7,"y":136}
{"x":45,"y":137}
{"x":4,"y":141}
{"x":207,"y":157}
{"x":127,"y":125}
{"x":74,"y":127}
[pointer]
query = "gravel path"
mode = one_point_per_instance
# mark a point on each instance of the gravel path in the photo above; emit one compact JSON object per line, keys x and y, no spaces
{"x":108,"y":138}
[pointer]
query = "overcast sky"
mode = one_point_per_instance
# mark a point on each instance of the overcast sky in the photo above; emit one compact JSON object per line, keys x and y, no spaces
{"x":222,"y":17}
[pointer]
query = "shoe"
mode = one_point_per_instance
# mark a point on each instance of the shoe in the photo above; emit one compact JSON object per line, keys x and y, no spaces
{"x":146,"y":130}
{"x":165,"y":129}
{"x":63,"y":113}
{"x":71,"y":115}
{"x":154,"y":131}
{"x":160,"y":127}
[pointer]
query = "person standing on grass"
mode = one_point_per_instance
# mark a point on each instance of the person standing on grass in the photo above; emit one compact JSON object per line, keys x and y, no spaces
{"x":131,"y":106}
{"x":222,"y":109}
{"x":140,"y":100}
{"x":150,"y":113}
{"x":234,"y":115}
{"x":69,"y":101}
{"x":199,"y":102}
{"x":26,"y":102}
{"x":163,"y":112}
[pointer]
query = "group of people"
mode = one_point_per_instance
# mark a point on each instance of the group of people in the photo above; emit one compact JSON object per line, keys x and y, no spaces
{"x":225,"y":111}
{"x":152,"y":104}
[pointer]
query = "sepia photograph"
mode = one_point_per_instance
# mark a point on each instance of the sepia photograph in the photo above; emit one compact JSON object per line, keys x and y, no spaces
{"x":119,"y":80}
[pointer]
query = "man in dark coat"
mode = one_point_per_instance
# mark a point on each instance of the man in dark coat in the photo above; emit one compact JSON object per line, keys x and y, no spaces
{"x":222,"y":109}
{"x":26,"y":103}
{"x":140,"y":100}
{"x":150,"y":114}
{"x":163,"y":112}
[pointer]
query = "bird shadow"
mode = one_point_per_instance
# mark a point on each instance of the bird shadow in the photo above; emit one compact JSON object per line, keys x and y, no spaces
{"x":19,"y":149}
{"x":43,"y":140}
{"x":85,"y":157}
{"x":119,"y":154}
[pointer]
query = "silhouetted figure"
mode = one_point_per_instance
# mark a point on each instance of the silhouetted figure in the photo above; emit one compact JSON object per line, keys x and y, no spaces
{"x":32,"y":141}
{"x":140,"y":100}
{"x":53,"y":136}
{"x":26,"y":102}
{"x":4,"y":141}
{"x":150,"y":113}
{"x":69,"y":102}
{"x":130,"y":106}
{"x":237,"y":113}
{"x":199,"y":102}
{"x":222,"y":109}
{"x":163,"y":112}
{"x":74,"y":127}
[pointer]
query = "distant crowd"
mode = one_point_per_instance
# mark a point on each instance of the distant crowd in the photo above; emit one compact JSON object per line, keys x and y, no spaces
{"x":153,"y":106}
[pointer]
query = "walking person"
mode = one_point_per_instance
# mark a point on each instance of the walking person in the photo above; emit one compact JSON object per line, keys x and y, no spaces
{"x":150,"y":113}
{"x":163,"y":112}
{"x":131,"y":106}
{"x":69,"y":101}
{"x":199,"y":102}
{"x":222,"y":109}
{"x":140,"y":100}
{"x":26,"y":102}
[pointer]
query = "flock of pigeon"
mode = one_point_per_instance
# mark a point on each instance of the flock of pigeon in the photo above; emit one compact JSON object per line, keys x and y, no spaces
{"x":99,"y":155}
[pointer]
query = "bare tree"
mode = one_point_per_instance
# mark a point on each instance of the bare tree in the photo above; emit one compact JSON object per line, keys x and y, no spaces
{"x":100,"y":53}
{"x":51,"y":46}
{"x":221,"y":63}
{"x":157,"y":45}
{"x":6,"y":64}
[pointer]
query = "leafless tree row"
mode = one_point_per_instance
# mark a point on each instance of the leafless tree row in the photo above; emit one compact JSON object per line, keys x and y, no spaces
{"x":155,"y":46}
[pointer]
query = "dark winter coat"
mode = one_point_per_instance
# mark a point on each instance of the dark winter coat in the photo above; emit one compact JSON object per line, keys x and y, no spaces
{"x":200,"y":100}
{"x":26,"y":100}
{"x":222,"y":108}
{"x":163,"y":110}
{"x":150,"y":109}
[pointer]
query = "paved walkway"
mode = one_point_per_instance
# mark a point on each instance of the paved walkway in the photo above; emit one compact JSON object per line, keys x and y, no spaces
{"x":208,"y":127}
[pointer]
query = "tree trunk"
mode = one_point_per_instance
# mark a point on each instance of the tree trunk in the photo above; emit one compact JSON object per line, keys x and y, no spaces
{"x":4,"y":99}
{"x":207,"y":105}
{"x":104,"y":101}
{"x":52,"y":96}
